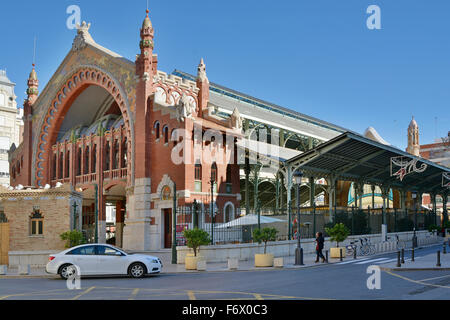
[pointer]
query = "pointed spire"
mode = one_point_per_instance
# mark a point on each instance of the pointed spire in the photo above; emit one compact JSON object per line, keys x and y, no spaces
{"x":147,"y":27}
{"x":201,"y":71}
{"x":33,"y":83}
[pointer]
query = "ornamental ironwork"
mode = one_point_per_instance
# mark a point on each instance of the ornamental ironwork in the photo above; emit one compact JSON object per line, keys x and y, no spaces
{"x":446,"y":179}
{"x":3,"y":218}
{"x":406,"y":166}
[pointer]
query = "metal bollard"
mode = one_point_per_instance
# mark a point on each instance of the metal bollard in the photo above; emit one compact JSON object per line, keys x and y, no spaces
{"x":340,"y":254}
{"x":438,"y":264}
{"x":398,"y":259}
{"x":354,"y":253}
{"x":326,"y":256}
{"x":412,"y":255}
{"x":403,"y":255}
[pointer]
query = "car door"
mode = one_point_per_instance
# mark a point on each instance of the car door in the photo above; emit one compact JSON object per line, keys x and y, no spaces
{"x":86,"y":259}
{"x":111,"y":261}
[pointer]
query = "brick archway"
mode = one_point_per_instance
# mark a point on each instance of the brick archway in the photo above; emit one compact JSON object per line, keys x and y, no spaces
{"x":74,"y":85}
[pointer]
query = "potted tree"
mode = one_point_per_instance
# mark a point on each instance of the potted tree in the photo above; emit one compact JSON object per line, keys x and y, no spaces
{"x":194,"y":239}
{"x":264,"y":235}
{"x":337,"y":233}
{"x":73,"y":238}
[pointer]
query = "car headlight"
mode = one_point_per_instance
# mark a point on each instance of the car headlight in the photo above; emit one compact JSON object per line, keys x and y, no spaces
{"x":154,"y":260}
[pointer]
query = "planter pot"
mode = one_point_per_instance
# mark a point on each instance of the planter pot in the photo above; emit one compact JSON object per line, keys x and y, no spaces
{"x":191,"y":262}
{"x":263,"y":260}
{"x":335,"y":252}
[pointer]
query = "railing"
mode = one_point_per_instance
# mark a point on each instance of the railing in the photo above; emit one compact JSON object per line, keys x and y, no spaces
{"x":224,"y":229}
{"x":115,"y":174}
{"x":87,"y":178}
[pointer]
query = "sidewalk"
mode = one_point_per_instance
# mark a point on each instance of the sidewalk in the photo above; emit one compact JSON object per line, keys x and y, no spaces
{"x":169,"y":268}
{"x":425,"y":263}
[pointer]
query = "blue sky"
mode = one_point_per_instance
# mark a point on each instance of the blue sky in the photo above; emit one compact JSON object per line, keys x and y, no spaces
{"x":314,"y":56}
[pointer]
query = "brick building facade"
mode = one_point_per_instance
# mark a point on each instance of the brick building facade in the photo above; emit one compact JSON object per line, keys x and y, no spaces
{"x":114,"y":130}
{"x":33,"y":220}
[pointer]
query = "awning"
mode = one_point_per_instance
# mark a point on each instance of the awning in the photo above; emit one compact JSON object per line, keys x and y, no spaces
{"x":251,"y":219}
{"x":352,"y":157}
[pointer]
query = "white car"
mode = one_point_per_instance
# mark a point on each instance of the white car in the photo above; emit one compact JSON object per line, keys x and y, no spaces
{"x":101,"y":259}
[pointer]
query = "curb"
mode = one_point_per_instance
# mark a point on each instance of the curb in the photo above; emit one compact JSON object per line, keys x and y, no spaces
{"x":415,"y":269}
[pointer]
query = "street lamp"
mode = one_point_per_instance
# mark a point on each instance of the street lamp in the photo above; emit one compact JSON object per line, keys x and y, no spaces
{"x":213,"y":181}
{"x":298,"y":251}
{"x":174,"y":225}
{"x":75,"y":206}
{"x":414,"y":239}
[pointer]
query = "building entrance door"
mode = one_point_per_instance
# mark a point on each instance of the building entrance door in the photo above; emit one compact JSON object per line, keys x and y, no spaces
{"x":167,"y":228}
{"x":4,"y":240}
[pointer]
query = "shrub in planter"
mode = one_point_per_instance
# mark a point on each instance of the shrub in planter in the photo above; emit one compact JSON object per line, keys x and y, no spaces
{"x":73,"y":238}
{"x":337,"y":233}
{"x":264,"y":235}
{"x":194,"y":239}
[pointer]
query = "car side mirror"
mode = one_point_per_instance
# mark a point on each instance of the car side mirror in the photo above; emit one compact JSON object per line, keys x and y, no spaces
{"x":119,"y":254}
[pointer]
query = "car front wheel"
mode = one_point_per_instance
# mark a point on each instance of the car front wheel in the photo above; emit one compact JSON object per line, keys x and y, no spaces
{"x":137,"y":270}
{"x":67,"y":271}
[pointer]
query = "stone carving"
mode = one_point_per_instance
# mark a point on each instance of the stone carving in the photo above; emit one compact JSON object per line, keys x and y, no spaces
{"x":236,"y":120}
{"x":83,"y":36}
{"x":201,"y":71}
{"x":185,"y":108}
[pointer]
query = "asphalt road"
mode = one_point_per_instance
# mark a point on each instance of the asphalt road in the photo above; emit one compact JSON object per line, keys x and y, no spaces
{"x":334,"y":281}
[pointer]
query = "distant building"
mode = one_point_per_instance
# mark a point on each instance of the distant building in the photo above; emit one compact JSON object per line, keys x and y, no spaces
{"x":413,"y":138}
{"x":11,"y":124}
{"x":438,"y":152}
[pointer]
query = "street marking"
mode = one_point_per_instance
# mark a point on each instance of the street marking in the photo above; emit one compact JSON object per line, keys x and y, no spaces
{"x":191,"y":295}
{"x":83,"y":293}
{"x":134,"y":294}
{"x":370,"y":261}
{"x":417,"y":281}
{"x":353,"y":261}
{"x":258,"y":297}
{"x":435,"y":278}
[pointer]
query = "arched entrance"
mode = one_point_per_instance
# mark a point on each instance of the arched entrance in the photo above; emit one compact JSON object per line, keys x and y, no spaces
{"x":87,"y":140}
{"x":75,"y":85}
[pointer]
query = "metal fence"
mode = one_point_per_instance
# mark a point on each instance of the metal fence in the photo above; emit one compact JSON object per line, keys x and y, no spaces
{"x":225,"y":229}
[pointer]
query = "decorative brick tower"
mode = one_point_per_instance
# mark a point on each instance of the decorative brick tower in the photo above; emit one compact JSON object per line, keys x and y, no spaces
{"x":413,"y":139}
{"x":203,"y":85}
{"x":32,"y":92}
{"x":137,"y":230}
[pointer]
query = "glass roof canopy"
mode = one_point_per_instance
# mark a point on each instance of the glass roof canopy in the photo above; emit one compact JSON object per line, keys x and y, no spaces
{"x":352,"y":157}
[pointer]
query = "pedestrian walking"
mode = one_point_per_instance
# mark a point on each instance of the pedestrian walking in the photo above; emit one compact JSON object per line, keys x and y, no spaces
{"x":320,"y":240}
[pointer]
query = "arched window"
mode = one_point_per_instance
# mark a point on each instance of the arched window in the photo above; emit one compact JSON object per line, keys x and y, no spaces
{"x":198,"y":177}
{"x":94,"y":159}
{"x":116,"y":154}
{"x":13,"y":172}
{"x":228,"y":212}
{"x":229,"y":182}
{"x":79,"y":161}
{"x":61,"y":166}
{"x":198,"y":172}
{"x":157,"y":128}
{"x":174,"y":137}
{"x":54,"y":167}
{"x":86,"y":160}
{"x":214,"y":176}
{"x":36,"y":223}
{"x":107,"y":155}
{"x":166,"y":134}
{"x":214,"y":172}
{"x":125,"y":153}
{"x":67,"y":164}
